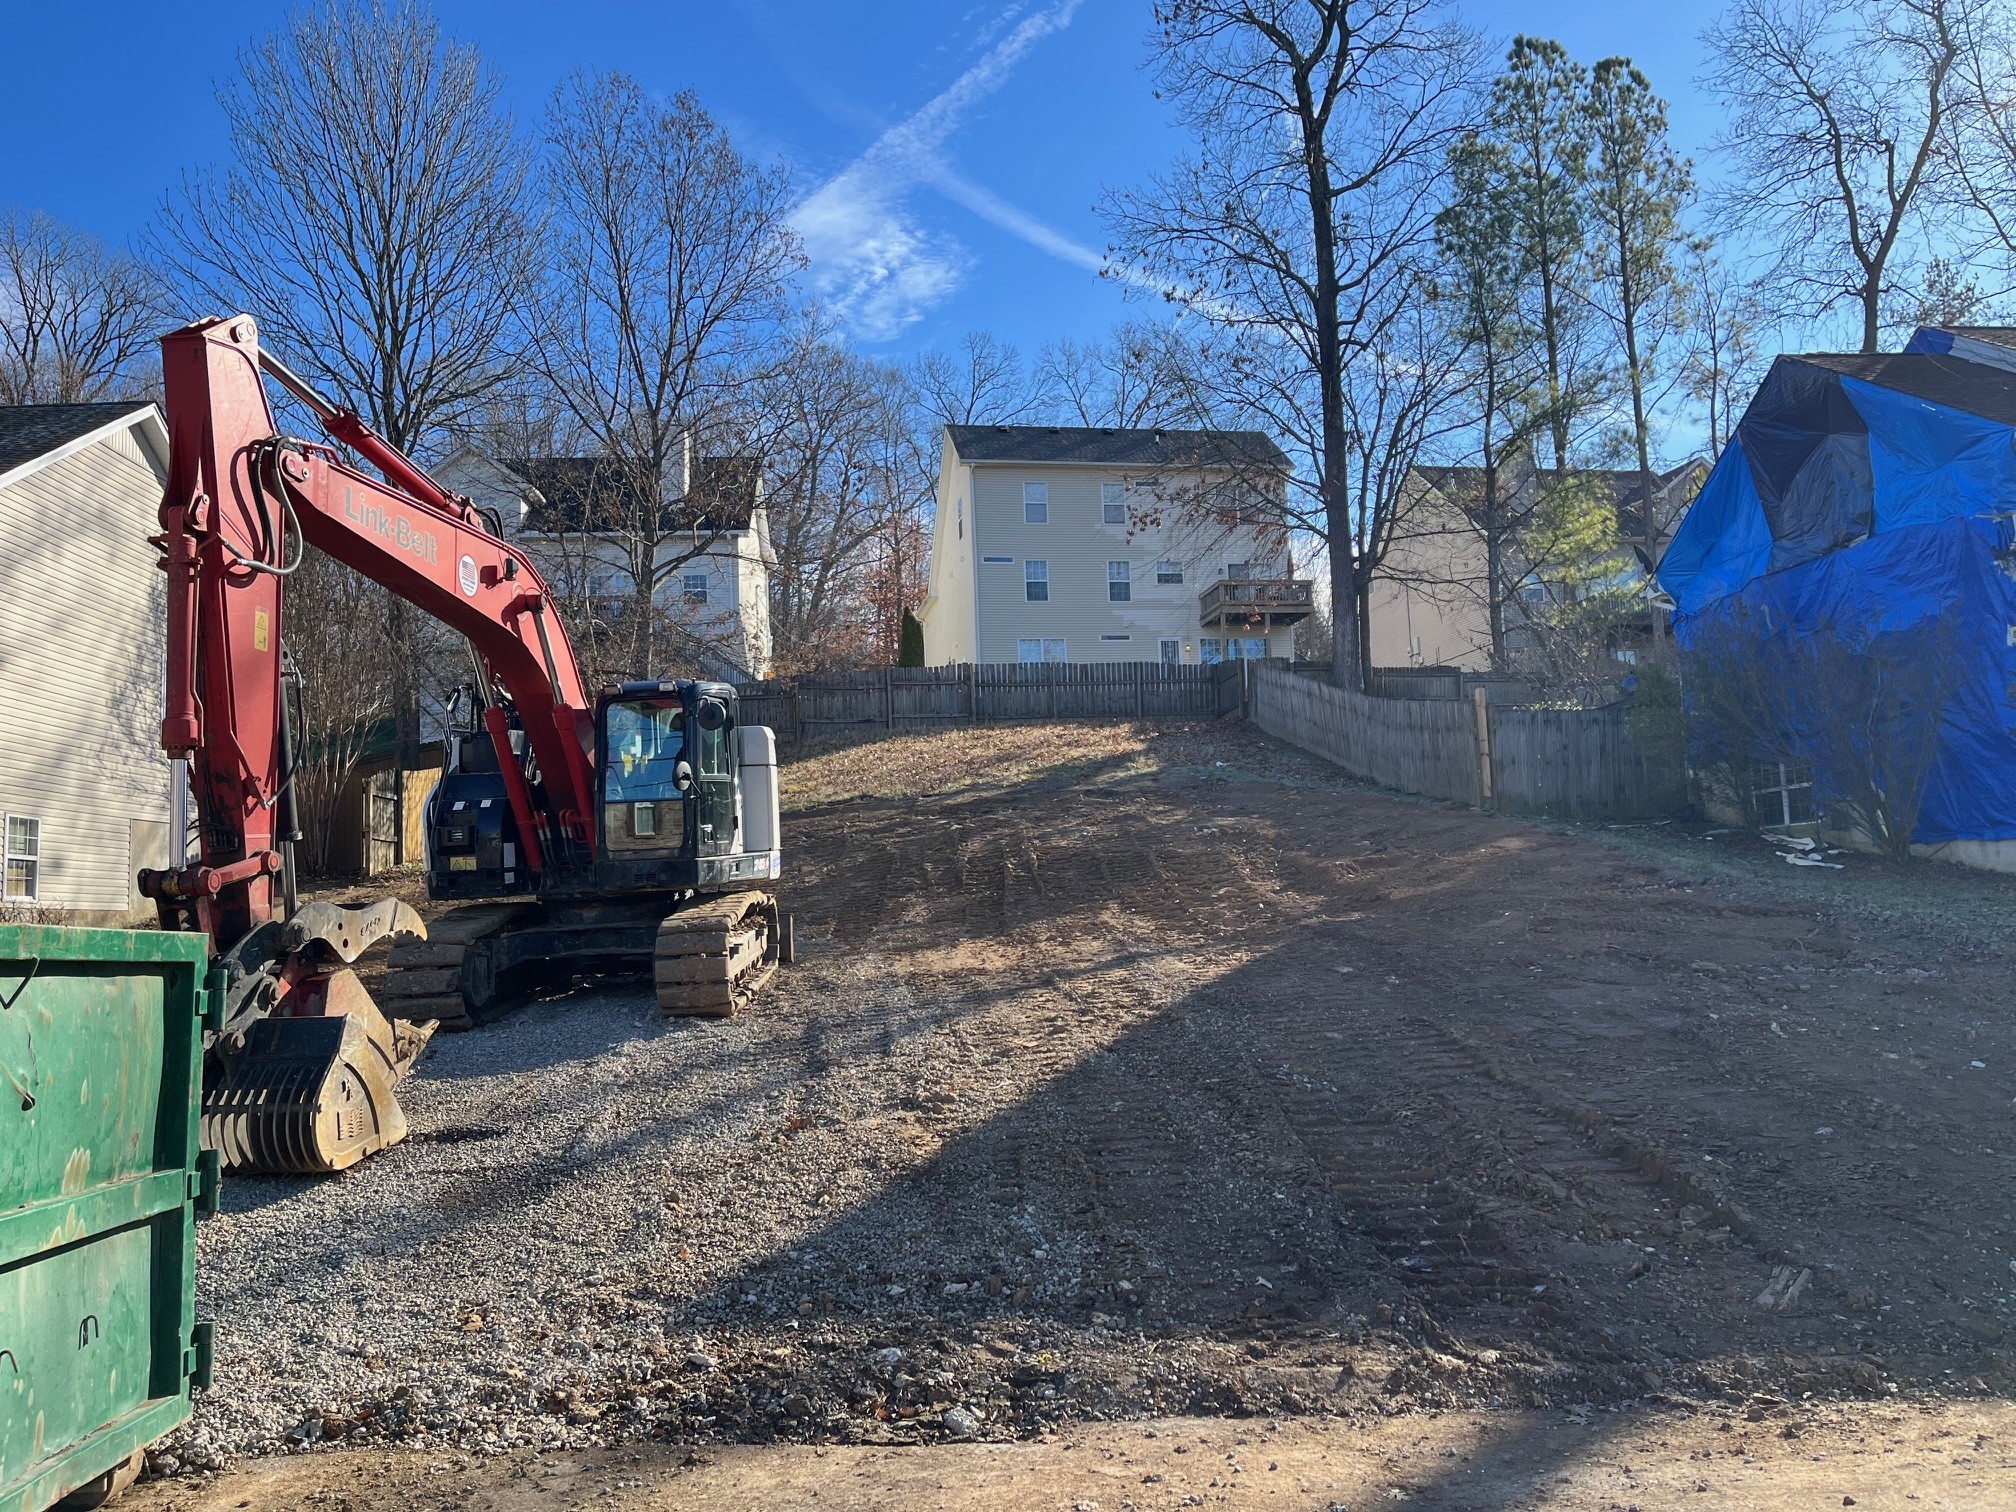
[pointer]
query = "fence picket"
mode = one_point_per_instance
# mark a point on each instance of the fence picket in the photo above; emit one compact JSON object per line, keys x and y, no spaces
{"x":1577,"y":763}
{"x":895,"y":699}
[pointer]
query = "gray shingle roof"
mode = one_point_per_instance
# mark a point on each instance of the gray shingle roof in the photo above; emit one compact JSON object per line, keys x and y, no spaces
{"x":29,"y":430}
{"x":1997,"y":335}
{"x":592,"y":492}
{"x":1112,"y":447}
{"x":1989,"y":392}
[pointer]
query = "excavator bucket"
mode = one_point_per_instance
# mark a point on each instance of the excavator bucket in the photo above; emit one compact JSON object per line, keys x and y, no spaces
{"x":306,"y":1086}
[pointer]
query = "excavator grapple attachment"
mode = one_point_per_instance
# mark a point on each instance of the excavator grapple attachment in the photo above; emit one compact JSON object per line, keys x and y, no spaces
{"x":310,"y":1093}
{"x":300,"y":1078}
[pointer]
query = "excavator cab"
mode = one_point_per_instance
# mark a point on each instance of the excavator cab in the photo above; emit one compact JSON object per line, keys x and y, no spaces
{"x":685,"y":801}
{"x":687,"y":794}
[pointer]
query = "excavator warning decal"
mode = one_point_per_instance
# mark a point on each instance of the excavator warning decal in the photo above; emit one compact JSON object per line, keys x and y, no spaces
{"x":465,"y":574}
{"x":262,"y":635}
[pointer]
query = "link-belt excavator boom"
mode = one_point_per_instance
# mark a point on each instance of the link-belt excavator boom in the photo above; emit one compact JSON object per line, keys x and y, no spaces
{"x":627,"y":831}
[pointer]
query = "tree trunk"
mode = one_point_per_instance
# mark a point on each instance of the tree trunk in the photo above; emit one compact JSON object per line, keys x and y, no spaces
{"x":1364,"y":635}
{"x":405,"y":711}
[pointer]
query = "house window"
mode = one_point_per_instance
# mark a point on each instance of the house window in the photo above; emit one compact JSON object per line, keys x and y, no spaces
{"x":1210,"y":649}
{"x":1036,"y":503}
{"x":1036,"y":581}
{"x":24,"y":858}
{"x":1238,"y":571}
{"x":1172,"y":652}
{"x":1169,"y":572}
{"x":1119,"y":582}
{"x":1113,"y":503}
{"x":1034,"y":649}
{"x":959,"y":517}
{"x":696,"y":587}
{"x":1782,"y":792}
{"x":1246,"y":648}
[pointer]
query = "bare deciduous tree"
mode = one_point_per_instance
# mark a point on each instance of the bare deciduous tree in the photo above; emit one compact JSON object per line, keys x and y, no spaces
{"x":334,"y":638}
{"x":1838,"y":139}
{"x":1128,"y":379}
{"x":372,"y":220}
{"x":1724,"y":322}
{"x":1299,"y":222}
{"x":846,"y":470}
{"x":983,"y":383}
{"x":660,"y":308}
{"x":78,"y":319}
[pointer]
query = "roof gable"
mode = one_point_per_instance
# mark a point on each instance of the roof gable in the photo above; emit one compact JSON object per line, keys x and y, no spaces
{"x":594,"y":493}
{"x":29,"y":432}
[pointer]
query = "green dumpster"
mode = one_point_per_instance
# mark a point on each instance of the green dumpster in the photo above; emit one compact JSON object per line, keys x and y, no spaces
{"x":101,"y":1062}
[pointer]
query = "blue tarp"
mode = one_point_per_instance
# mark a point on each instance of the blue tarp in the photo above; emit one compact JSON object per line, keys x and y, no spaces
{"x":1848,"y":504}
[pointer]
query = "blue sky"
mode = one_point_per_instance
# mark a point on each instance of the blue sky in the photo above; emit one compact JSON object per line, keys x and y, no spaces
{"x":948,"y":156}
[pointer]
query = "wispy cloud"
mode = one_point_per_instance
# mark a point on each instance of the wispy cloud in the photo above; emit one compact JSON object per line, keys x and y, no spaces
{"x":871,"y":261}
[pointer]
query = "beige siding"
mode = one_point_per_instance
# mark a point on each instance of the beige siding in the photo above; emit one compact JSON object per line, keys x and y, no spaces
{"x":80,"y":671}
{"x":1077,"y":546}
{"x":948,"y":612}
{"x":1426,"y":606}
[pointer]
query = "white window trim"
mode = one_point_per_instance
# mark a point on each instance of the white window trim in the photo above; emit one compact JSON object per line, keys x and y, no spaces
{"x":1112,"y":496}
{"x":1036,"y":496}
{"x":8,"y":856}
{"x":1035,"y":570}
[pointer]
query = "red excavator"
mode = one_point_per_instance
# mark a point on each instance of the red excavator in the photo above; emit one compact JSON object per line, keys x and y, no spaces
{"x":629,"y":831}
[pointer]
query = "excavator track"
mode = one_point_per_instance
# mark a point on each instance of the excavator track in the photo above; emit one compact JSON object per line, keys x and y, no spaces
{"x":715,"y":954}
{"x":424,"y":978}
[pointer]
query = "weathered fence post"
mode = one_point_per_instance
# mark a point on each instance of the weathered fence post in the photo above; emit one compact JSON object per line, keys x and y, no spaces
{"x":1481,"y":700}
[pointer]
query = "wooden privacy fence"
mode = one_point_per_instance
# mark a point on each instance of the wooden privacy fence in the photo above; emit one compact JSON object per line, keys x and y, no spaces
{"x":1581,"y":763}
{"x":1577,"y":763}
{"x":1417,"y":745}
{"x":924,"y":698}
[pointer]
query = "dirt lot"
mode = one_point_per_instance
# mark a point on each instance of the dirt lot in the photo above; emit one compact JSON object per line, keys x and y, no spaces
{"x":1132,"y":1073}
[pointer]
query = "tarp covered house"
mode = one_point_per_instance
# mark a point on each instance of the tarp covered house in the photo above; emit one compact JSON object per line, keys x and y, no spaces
{"x":1863,"y":496}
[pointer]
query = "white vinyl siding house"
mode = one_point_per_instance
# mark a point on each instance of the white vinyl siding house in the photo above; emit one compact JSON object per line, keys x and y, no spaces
{"x":721,"y":597}
{"x":1058,"y":544}
{"x":85,"y":791}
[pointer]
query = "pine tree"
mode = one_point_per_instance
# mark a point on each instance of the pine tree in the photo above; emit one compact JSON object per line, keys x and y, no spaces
{"x":911,"y":652}
{"x":1538,"y":118}
{"x":1637,"y":189}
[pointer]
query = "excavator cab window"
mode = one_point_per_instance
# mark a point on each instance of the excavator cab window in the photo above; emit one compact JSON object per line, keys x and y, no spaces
{"x":645,"y":774}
